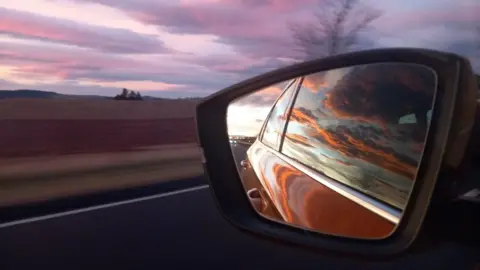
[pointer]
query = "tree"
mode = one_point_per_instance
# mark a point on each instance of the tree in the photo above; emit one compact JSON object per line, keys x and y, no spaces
{"x":128,"y":95}
{"x":123,"y":95}
{"x":337,"y":27}
{"x":138,"y":96}
{"x":132,"y":95}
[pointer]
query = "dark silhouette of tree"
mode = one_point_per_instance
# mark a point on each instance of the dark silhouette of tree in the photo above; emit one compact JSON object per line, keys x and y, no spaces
{"x":336,"y":29}
{"x":123,"y":95}
{"x":124,"y":92}
{"x":138,"y":96}
{"x":132,"y":95}
{"x":128,"y":95}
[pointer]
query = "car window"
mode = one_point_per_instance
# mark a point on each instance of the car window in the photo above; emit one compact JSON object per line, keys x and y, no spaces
{"x":276,"y":121}
{"x":412,"y":119}
{"x":365,"y":155}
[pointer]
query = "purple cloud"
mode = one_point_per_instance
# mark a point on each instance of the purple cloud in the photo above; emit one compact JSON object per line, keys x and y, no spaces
{"x":454,"y":27}
{"x":33,"y":26}
{"x":253,"y":28}
{"x":256,"y":30}
{"x":260,"y":28}
{"x":200,"y":75}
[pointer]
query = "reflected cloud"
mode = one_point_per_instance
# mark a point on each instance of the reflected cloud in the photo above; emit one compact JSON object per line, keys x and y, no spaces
{"x":350,"y":128}
{"x":383,"y":92}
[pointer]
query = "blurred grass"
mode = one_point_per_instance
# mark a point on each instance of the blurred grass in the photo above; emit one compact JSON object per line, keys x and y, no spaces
{"x":16,"y":169}
{"x":34,"y":181}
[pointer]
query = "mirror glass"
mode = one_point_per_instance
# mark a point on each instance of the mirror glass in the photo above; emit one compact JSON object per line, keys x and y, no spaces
{"x":337,"y":151}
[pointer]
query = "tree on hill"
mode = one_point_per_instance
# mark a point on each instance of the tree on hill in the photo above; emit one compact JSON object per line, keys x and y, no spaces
{"x":132,"y":95}
{"x":128,"y":95}
{"x":124,"y":92}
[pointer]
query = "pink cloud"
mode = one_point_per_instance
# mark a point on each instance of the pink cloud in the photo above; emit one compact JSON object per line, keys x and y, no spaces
{"x":33,"y":26}
{"x":63,"y":58}
{"x":39,"y":63}
{"x":254,"y":28}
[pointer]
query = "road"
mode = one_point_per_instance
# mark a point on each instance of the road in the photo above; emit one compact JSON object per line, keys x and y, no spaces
{"x":172,"y":231}
{"x":239,"y":152}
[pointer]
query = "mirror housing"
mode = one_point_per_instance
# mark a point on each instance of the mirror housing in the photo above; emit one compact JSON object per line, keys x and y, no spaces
{"x":452,"y":121}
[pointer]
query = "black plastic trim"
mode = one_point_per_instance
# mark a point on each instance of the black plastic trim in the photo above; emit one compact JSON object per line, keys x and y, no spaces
{"x":450,"y":104}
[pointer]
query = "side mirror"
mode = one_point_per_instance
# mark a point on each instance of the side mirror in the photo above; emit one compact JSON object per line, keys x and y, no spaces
{"x":344,"y":152}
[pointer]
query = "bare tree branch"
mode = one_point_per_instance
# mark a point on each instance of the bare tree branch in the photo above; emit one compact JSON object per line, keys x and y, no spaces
{"x":336,"y":27}
{"x":369,"y":16}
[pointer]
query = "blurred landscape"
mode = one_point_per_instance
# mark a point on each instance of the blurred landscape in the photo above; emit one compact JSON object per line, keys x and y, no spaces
{"x":55,"y":145}
{"x":39,"y":123}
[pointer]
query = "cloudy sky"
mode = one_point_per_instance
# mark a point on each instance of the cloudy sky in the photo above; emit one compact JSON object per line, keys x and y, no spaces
{"x":177,"y":48}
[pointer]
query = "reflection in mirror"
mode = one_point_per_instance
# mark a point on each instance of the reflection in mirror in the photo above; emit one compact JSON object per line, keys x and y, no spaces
{"x":335,"y":152}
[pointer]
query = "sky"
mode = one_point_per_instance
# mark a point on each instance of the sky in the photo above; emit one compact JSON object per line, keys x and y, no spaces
{"x":186,"y":48}
{"x":245,"y":116}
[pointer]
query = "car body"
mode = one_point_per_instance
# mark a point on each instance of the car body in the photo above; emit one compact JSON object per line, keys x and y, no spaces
{"x":355,"y":195}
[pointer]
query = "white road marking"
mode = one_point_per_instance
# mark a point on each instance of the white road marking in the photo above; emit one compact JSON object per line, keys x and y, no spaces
{"x":103,"y":206}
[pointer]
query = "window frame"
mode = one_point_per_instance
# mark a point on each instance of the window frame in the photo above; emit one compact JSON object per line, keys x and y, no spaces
{"x":296,"y":84}
{"x":290,"y":108}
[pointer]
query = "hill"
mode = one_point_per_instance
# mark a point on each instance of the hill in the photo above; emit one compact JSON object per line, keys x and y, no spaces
{"x":25,"y":93}
{"x":40,"y":94}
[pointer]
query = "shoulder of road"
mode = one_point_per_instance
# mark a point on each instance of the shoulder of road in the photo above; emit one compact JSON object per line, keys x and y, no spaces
{"x":41,"y":178}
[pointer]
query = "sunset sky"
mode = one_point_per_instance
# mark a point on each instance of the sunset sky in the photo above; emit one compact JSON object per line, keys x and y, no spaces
{"x":184,"y":48}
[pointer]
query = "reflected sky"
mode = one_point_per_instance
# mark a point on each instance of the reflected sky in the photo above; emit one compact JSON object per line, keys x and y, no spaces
{"x":356,"y":125}
{"x":377,"y":147}
{"x":245,"y":116}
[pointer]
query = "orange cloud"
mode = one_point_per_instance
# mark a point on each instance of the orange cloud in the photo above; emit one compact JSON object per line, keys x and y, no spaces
{"x":270,"y":91}
{"x":313,"y":85}
{"x":284,"y":176}
{"x":298,"y":139}
{"x":344,"y":141}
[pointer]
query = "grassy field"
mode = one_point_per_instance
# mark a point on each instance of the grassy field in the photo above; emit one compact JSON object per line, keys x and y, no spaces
{"x":23,"y":138}
{"x":94,"y":109}
{"x":37,"y":127}
{"x":52,"y":148}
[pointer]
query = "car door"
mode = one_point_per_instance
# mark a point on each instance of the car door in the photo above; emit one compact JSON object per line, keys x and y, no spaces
{"x":269,"y":138}
{"x":311,"y":197}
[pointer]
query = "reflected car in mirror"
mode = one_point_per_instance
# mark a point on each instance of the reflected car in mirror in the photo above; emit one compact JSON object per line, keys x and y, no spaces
{"x":339,"y":150}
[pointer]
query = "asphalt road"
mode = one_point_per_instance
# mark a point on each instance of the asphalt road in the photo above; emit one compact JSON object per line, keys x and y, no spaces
{"x":239,"y":152}
{"x":173,"y":231}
